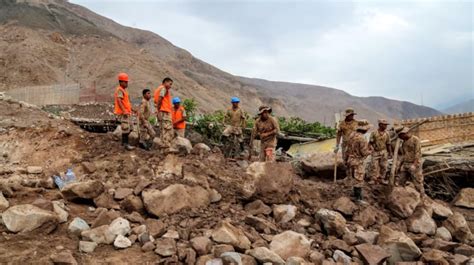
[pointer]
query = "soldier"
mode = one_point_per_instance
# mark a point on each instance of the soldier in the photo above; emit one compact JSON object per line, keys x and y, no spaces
{"x":267,"y":128}
{"x":163,"y":106}
{"x":147,"y":132}
{"x":357,"y":152}
{"x":235,"y":121}
{"x":379,"y":142}
{"x":123,"y":108}
{"x":345,"y":128}
{"x":411,"y":163}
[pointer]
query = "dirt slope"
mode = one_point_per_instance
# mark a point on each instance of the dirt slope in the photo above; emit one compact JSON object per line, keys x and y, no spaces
{"x":56,"y":42}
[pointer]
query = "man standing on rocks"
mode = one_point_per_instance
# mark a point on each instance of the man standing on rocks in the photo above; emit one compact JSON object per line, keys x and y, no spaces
{"x":345,"y":128}
{"x":235,"y":121}
{"x":147,"y":132}
{"x":266,"y":127}
{"x":123,"y":108}
{"x":357,"y":152}
{"x":380,"y":144}
{"x":179,"y":117}
{"x":410,"y":163}
{"x":163,"y":106}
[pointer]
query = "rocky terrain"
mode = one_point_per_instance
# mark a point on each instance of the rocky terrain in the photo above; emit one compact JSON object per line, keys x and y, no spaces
{"x":54,"y":42}
{"x":195,"y":207}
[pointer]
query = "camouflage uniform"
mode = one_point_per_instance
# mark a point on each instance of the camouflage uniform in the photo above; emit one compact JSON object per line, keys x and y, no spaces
{"x":346,"y":129}
{"x":378,"y":164}
{"x":269,"y":143}
{"x":357,"y":152}
{"x":147,"y":131}
{"x":235,"y":121}
{"x":411,"y":164}
{"x":166,"y":132}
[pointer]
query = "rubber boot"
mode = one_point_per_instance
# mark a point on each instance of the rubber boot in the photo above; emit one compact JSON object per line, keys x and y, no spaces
{"x":125,"y":142}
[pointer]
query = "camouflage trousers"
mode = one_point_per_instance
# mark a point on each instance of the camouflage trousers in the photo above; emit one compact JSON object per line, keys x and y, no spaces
{"x":147,"y":132}
{"x":125,"y":123}
{"x":180,"y":132}
{"x":356,"y":168}
{"x":166,"y":130}
{"x":378,"y":165}
{"x":231,"y":130}
{"x":267,"y":151}
{"x":414,"y":173}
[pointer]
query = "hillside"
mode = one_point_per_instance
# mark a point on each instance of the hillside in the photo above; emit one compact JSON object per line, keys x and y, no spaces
{"x":467,"y":106}
{"x":48,"y":42}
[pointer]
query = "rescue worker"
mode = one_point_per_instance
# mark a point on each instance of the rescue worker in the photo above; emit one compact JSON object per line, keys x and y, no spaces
{"x":163,"y":107}
{"x":379,"y":142}
{"x":178,"y":117}
{"x":235,"y":121}
{"x":357,"y":151}
{"x":266,"y":128}
{"x":410,"y":162}
{"x":123,"y":108}
{"x":344,"y":130}
{"x":147,"y":132}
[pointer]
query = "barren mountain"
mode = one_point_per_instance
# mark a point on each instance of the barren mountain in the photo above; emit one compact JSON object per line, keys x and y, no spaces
{"x":46,"y":42}
{"x":466,"y":106}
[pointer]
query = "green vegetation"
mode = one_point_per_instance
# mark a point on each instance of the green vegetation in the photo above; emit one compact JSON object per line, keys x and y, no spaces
{"x":190,"y":105}
{"x":299,"y":126}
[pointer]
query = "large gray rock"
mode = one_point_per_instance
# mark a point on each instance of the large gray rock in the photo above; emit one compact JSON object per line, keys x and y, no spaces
{"x":459,"y":228}
{"x":26,"y":218}
{"x":421,"y":222}
{"x":83,"y":190}
{"x":332,"y":222}
{"x":465,"y":198}
{"x":226,"y":233}
{"x":174,"y":199}
{"x":290,"y":244}
{"x":271,"y":182}
{"x":403,"y":201}
{"x":398,"y":245}
{"x":263,"y":254}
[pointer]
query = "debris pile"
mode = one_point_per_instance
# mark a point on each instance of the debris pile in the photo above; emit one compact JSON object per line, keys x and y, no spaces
{"x":198,"y":208}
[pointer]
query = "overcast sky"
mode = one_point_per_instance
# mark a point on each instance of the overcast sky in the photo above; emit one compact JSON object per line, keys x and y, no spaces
{"x":419,"y":51}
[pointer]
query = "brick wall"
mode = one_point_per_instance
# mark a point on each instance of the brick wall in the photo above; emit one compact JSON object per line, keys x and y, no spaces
{"x":444,"y":129}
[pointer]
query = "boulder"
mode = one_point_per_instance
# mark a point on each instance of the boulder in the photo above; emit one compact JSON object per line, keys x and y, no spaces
{"x":4,"y":204}
{"x":290,"y":244}
{"x":284,"y":213}
{"x":121,"y":193}
{"x":369,"y":237}
{"x":165,"y":247}
{"x":122,"y":242}
{"x":333,"y":223}
{"x":226,"y":233}
{"x":272,"y":182}
{"x":257,"y":207}
{"x":263,"y":254}
{"x":320,"y":162}
{"x":106,"y":200}
{"x":174,"y":198}
{"x":370,"y":216}
{"x":183,"y":145}
{"x":421,"y":222}
{"x":458,"y":227}
{"x":87,"y":247}
{"x":26,"y":218}
{"x":465,"y":198}
{"x":402,"y":201}
{"x":345,"y":206}
{"x":34,"y":170}
{"x":372,"y":254}
{"x":398,"y":245}
{"x":202,"y":245}
{"x":83,"y":190}
{"x":78,"y":225}
{"x":443,"y":233}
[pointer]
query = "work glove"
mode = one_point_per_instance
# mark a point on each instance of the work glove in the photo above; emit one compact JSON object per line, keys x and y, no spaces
{"x":336,"y":148}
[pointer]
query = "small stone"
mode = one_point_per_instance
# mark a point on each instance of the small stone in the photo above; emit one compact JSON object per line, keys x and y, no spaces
{"x":231,"y":258}
{"x":63,"y":258}
{"x":105,"y":218}
{"x":219,"y":249}
{"x":263,"y":254}
{"x":214,"y":196}
{"x":78,"y":225}
{"x":132,"y":203}
{"x":443,"y":233}
{"x":121,"y":193}
{"x":120,"y":226}
{"x":133,"y":238}
{"x":142,"y":184}
{"x":148,"y":246}
{"x":34,"y":170}
{"x":459,"y":228}
{"x":87,"y":247}
{"x":333,"y":222}
{"x":135,"y":217}
{"x":106,"y":200}
{"x":465,"y":198}
{"x":340,"y":256}
{"x":367,"y":237}
{"x":226,"y":233}
{"x":316,"y":257}
{"x":421,"y":222}
{"x":257,"y":207}
{"x":89,"y":167}
{"x":144,"y":238}
{"x":59,"y":209}
{"x":304,"y":222}
{"x":87,"y":190}
{"x":155,"y":227}
{"x":345,"y":206}
{"x":372,"y":254}
{"x":290,"y":244}
{"x":165,"y":247}
{"x":202,"y":245}
{"x":171,"y":234}
{"x":284,"y":213}
{"x":139,"y":229}
{"x":122,"y":242}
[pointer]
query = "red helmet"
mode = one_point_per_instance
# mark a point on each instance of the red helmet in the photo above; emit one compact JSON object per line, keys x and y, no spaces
{"x":123,"y":77}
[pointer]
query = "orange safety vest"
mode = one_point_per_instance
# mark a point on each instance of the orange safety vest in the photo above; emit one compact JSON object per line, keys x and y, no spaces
{"x":125,"y":102}
{"x":166,"y":105}
{"x":177,"y":115}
